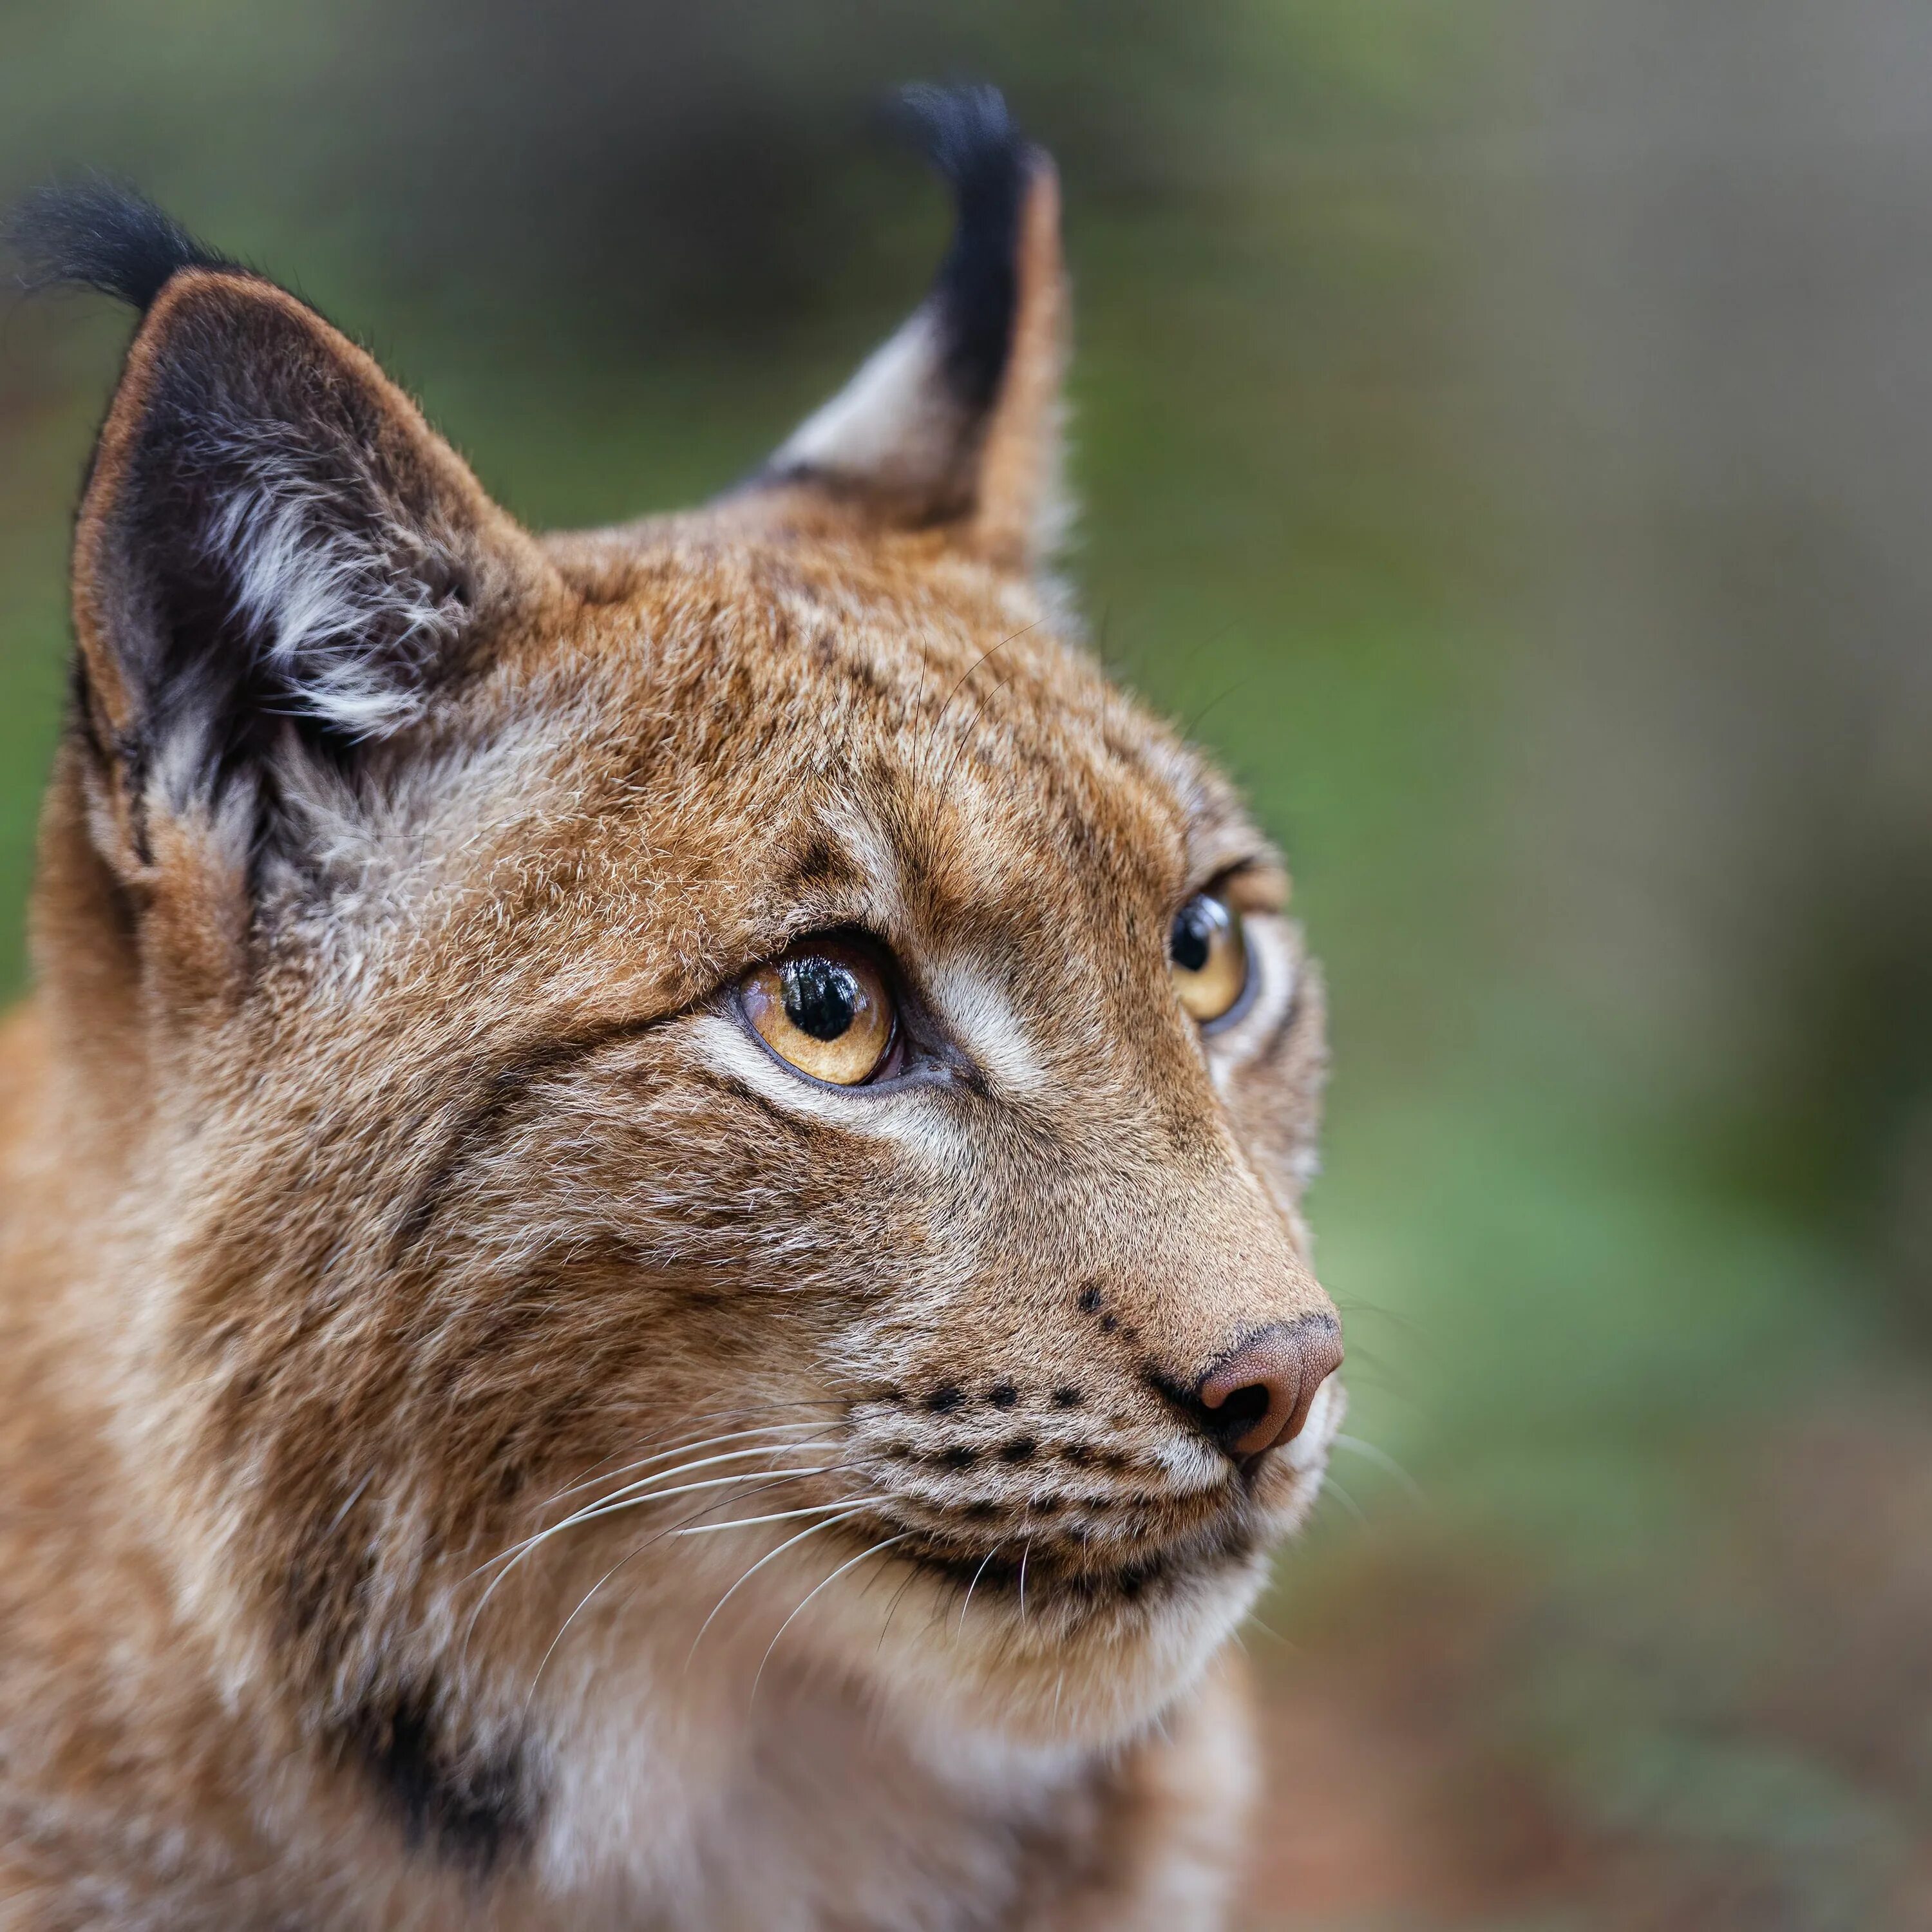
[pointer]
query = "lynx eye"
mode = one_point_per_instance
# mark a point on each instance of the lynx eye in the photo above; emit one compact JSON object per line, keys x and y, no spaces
{"x":1207,"y":955}
{"x":823,"y":1007}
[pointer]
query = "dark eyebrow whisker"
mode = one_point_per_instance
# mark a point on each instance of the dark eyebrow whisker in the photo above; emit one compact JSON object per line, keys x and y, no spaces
{"x":946,"y":774}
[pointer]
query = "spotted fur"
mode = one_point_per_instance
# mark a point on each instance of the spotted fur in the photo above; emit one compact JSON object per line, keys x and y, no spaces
{"x":482,"y":1443}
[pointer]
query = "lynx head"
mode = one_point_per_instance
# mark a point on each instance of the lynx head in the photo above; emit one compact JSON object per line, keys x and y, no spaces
{"x":718,"y":1050}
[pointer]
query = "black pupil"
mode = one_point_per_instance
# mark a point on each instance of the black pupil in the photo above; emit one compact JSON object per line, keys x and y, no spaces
{"x":820,"y":997}
{"x":1193,"y":940}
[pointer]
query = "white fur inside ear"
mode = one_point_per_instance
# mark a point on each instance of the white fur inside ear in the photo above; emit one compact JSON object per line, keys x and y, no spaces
{"x":892,"y":422}
{"x":345,"y":615}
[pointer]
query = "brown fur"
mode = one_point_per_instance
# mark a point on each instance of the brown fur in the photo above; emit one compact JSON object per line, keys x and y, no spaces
{"x":356,"y":1208}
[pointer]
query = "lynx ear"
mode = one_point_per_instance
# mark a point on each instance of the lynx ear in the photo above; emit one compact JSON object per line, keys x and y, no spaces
{"x":274,"y":552}
{"x":955,"y":419}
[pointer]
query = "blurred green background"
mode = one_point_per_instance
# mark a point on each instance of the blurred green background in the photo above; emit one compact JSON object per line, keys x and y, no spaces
{"x":1506,"y":437}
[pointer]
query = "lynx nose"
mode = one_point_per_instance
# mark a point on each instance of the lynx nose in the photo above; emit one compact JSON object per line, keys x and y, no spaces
{"x":1258,"y":1397}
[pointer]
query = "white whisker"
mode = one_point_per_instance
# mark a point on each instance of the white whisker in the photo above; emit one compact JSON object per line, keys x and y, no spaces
{"x":628,"y":1557}
{"x":645,"y":1490}
{"x":1269,"y":1631}
{"x":768,"y":1557}
{"x":779,"y":1515}
{"x":520,"y":1553}
{"x":1382,"y":1459}
{"x":684,"y":1448}
{"x":833,"y":1578}
{"x":648,"y":1483}
{"x":1333,"y":1488}
{"x":684,"y":1469}
{"x":543,"y":1663}
{"x":960,"y":1631}
{"x":591,"y":1512}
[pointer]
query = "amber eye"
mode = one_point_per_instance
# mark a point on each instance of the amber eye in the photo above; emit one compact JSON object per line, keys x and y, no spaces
{"x":823,"y":1008}
{"x":1208,"y":957}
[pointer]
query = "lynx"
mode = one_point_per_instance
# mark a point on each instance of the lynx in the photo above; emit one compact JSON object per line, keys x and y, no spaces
{"x":651,"y":1270}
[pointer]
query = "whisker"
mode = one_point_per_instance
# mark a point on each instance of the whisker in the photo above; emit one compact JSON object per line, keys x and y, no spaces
{"x":758,"y":1675}
{"x":1333,"y":1488}
{"x":965,"y":733}
{"x":544,"y":1661}
{"x":1267,"y":1630}
{"x":971,"y":669}
{"x":685,"y":1449}
{"x":960,"y":1629}
{"x":892,"y":1610}
{"x":598,"y":1470}
{"x":523,"y":1551}
{"x":647,"y":1482}
{"x":613,"y":1506}
{"x":691,"y":1443}
{"x":1382,"y":1459}
{"x":768,"y":1557}
{"x":965,"y":737}
{"x":779,"y":1516}
{"x":1227,"y":691}
{"x":644,"y":1488}
{"x":630,"y":1556}
{"x":1368,"y":1368}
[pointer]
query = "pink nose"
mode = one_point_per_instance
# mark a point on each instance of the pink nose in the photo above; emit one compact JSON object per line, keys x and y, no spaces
{"x":1258,"y":1397}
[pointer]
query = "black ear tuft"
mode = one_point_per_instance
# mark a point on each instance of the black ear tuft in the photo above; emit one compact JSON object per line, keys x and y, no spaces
{"x":101,"y":235}
{"x":969,"y":137}
{"x":954,"y":418}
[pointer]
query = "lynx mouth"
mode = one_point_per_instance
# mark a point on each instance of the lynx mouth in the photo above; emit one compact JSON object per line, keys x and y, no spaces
{"x":1040,"y":1570}
{"x":1111,"y":1550}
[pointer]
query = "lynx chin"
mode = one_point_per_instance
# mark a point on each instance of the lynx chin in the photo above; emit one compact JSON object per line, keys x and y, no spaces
{"x":651,"y":1271}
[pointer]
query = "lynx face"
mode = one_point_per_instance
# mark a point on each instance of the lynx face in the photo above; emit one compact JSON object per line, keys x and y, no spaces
{"x":693,"y":1101}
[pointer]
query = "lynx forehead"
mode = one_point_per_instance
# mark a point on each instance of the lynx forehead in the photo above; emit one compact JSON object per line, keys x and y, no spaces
{"x":652,"y":1264}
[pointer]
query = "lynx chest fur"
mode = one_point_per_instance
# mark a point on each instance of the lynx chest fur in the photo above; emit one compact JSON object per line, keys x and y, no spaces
{"x":650,"y":1269}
